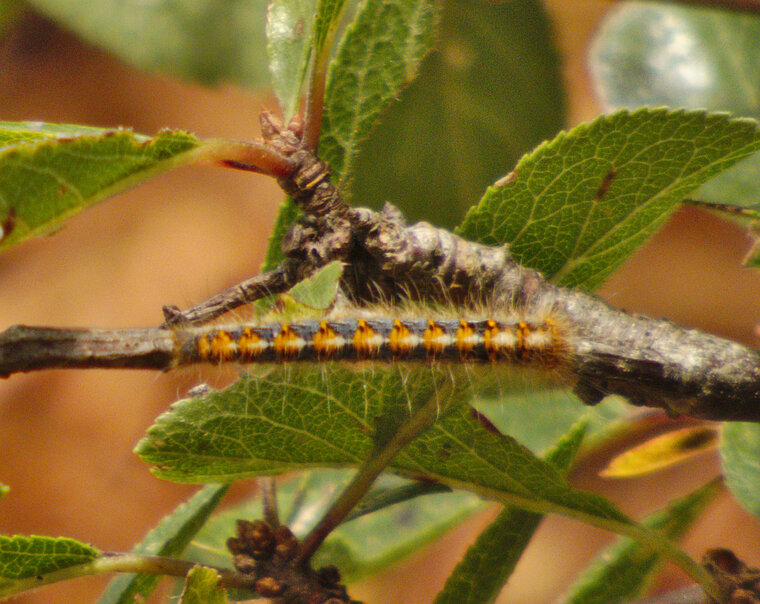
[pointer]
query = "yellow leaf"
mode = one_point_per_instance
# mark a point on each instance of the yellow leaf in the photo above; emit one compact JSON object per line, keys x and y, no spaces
{"x":662,"y":452}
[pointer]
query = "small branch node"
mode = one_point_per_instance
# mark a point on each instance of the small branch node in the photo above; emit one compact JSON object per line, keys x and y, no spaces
{"x":270,"y":557}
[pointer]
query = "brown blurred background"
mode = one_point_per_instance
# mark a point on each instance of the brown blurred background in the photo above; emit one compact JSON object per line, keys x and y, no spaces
{"x":66,"y":437}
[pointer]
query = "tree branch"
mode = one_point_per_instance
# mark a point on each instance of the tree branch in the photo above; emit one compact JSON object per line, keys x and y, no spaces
{"x":268,"y":284}
{"x":25,"y":348}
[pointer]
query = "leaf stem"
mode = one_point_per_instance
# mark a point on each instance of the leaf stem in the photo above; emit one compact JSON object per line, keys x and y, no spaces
{"x":724,"y":208}
{"x":314,"y":104}
{"x":124,"y":563}
{"x":315,"y":92}
{"x":421,"y":419}
{"x":253,"y":156}
{"x":173,"y":567}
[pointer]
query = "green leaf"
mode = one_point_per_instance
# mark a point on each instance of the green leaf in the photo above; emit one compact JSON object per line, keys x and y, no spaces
{"x":288,"y":419}
{"x":273,"y":424}
{"x":623,"y":571}
{"x":25,"y":557}
{"x":740,"y":455}
{"x":379,"y":54}
{"x":491,"y":92}
{"x":578,"y":206}
{"x":737,"y":186}
{"x":656,"y":54}
{"x":49,"y":172}
{"x":209,"y":41}
{"x":202,"y":587}
{"x":489,"y":562}
{"x":289,"y":37}
{"x":4,"y":490}
{"x":359,"y":547}
{"x":169,"y":538}
{"x":318,"y":291}
{"x":459,"y":451}
{"x":648,"y":54}
{"x":563,"y":453}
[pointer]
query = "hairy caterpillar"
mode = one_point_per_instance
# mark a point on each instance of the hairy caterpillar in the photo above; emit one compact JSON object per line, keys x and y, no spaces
{"x":579,"y":343}
{"x":510,"y":340}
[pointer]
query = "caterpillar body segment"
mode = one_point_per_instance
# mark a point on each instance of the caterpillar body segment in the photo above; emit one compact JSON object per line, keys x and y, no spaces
{"x":539,"y":342}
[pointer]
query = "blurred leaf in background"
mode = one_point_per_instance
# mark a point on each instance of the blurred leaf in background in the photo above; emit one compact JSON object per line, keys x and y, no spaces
{"x":658,"y":54}
{"x":491,"y":92}
{"x":740,"y":454}
{"x":208,"y":41}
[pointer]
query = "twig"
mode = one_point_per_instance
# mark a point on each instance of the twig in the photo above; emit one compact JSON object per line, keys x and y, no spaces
{"x":271,"y":283}
{"x":173,"y":567}
{"x":268,"y":486}
{"x":269,"y":556}
{"x":125,"y":563}
{"x":33,"y":348}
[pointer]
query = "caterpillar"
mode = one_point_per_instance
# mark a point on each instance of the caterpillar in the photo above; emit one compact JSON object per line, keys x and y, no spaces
{"x":537,"y":341}
{"x":582,"y":344}
{"x":380,"y":339}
